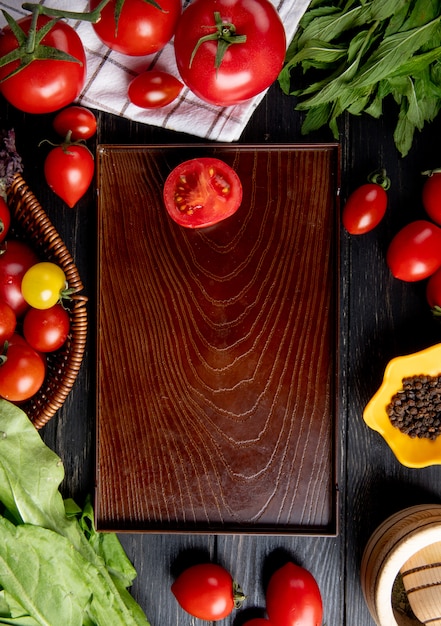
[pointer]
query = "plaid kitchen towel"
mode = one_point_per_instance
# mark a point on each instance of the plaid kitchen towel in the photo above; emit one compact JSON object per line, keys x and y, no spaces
{"x":109,"y":73}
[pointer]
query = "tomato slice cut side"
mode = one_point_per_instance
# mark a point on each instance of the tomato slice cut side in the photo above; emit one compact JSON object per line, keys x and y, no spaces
{"x":202,"y":192}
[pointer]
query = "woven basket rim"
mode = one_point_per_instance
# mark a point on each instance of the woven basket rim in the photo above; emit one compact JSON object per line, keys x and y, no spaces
{"x":31,"y":221}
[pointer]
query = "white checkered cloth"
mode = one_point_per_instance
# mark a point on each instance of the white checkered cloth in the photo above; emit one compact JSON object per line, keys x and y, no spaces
{"x":109,"y":73}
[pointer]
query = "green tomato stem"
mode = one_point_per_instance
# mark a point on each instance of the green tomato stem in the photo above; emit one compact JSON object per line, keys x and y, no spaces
{"x":379,"y":177}
{"x":91,"y":16}
{"x":225,"y":35}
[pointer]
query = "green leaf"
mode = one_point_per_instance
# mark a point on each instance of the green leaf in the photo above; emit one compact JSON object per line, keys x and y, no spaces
{"x":392,"y":52}
{"x":30,"y":475}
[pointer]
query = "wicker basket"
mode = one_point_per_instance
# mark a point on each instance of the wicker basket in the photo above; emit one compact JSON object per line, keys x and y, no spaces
{"x":31,"y":224}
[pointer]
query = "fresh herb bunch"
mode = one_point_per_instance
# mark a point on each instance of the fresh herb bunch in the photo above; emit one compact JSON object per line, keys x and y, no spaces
{"x":356,"y":53}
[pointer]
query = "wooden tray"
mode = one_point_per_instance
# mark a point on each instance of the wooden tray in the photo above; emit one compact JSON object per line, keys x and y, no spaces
{"x":217,"y":349}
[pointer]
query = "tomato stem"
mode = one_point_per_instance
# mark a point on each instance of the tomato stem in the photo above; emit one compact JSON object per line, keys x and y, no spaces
{"x":238,"y":595}
{"x":225,"y":35}
{"x":431,"y":172}
{"x":379,"y":177}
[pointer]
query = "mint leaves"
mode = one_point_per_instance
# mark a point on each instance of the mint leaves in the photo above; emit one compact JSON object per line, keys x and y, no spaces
{"x":352,"y":55}
{"x":54,"y":567}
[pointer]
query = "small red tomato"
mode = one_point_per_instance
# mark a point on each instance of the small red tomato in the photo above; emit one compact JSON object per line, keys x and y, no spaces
{"x":202,"y":192}
{"x":15,"y":259}
{"x":207,"y":591}
{"x":415,"y":251}
{"x":46,"y":330}
{"x":366,"y":206}
{"x":69,"y":170}
{"x":431,"y":196}
{"x":77,"y":120}
{"x":8,"y":322}
{"x":293,"y":598}
{"x":154,"y":89}
{"x":5,"y":219}
{"x":22,"y":371}
{"x":137,"y":27}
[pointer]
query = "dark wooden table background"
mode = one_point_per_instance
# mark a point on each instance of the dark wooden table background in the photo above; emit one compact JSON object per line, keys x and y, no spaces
{"x":380,"y":318}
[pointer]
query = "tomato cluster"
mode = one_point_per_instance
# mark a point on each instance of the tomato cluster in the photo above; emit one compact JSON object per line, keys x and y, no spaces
{"x":33,"y":322}
{"x":226,"y":51}
{"x":293,"y":598}
{"x":414,"y":254}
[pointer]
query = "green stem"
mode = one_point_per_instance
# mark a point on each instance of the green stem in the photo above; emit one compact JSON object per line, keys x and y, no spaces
{"x":91,"y":16}
{"x":30,"y":42}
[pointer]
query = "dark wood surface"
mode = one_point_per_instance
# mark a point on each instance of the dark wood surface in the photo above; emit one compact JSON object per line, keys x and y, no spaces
{"x":380,"y":318}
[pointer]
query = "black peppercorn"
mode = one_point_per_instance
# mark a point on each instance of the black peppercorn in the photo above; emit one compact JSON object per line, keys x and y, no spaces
{"x":416,"y":408}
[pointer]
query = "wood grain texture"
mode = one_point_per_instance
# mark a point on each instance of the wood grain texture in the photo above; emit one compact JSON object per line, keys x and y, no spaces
{"x":217,"y":348}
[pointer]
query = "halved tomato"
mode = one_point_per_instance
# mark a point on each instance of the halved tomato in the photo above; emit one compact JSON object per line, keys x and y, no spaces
{"x":201,"y":192}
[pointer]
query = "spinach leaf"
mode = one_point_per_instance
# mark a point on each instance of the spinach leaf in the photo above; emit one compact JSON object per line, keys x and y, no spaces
{"x":57,"y":537}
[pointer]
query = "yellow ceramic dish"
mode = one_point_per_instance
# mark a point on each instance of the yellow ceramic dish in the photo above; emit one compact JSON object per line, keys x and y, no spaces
{"x":417,"y":452}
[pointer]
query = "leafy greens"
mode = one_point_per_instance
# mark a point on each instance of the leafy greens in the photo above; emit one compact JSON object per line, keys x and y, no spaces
{"x":55,"y":568}
{"x":357,"y":53}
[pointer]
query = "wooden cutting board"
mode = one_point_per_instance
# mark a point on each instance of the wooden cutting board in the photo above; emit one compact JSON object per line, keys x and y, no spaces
{"x":217,"y":349}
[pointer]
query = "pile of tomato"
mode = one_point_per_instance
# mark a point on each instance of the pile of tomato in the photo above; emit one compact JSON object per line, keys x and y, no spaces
{"x":226,"y":52}
{"x":293,"y":597}
{"x":414,"y":254}
{"x":33,"y":320}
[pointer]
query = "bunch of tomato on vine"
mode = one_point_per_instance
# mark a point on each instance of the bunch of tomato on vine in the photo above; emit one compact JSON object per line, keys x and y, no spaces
{"x":414,"y":253}
{"x":33,"y":320}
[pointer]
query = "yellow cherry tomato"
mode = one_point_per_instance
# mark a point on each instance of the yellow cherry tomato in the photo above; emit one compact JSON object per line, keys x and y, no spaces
{"x":43,"y":285}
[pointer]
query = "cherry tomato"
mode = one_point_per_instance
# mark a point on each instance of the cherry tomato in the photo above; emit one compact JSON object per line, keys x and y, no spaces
{"x":15,"y":259}
{"x":8,"y":322}
{"x":46,"y":330}
{"x":154,"y":89}
{"x":207,"y":591}
{"x":415,"y":251}
{"x":22,"y":371}
{"x":293,"y":598}
{"x":5,"y":219}
{"x":43,"y":285}
{"x":366,"y":206}
{"x":431,"y":196}
{"x":142,"y":28}
{"x":202,"y":192}
{"x":77,"y":120}
{"x":248,"y":66}
{"x":69,"y":171}
{"x":45,"y":85}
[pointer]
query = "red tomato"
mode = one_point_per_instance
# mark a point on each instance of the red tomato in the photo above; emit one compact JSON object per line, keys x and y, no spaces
{"x":415,"y":251}
{"x":8,"y":322}
{"x":77,"y":120}
{"x":46,"y":330}
{"x":69,"y":172}
{"x":433,"y":289}
{"x":15,"y":259}
{"x":293,"y":598}
{"x":207,"y":591}
{"x":5,"y":219}
{"x":154,"y":89}
{"x":246,"y":68}
{"x":432,"y":196}
{"x":364,"y":209}
{"x":45,"y":85}
{"x":142,"y":28}
{"x":202,"y":192}
{"x":22,"y":372}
